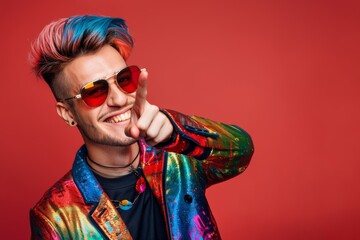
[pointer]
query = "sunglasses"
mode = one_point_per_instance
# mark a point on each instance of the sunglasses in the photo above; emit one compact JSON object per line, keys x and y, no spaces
{"x":95,"y":93}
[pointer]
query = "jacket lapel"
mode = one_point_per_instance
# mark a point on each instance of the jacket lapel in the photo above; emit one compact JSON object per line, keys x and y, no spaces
{"x":104,"y":213}
{"x":106,"y":216}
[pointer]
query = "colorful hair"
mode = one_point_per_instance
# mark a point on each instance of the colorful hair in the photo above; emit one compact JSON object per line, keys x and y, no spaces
{"x":62,"y":41}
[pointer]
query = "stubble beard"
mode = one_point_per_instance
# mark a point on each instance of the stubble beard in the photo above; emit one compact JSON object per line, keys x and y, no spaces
{"x":92,"y":134}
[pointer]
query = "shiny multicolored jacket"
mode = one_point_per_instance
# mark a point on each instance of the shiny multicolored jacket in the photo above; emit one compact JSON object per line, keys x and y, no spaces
{"x":203,"y":153}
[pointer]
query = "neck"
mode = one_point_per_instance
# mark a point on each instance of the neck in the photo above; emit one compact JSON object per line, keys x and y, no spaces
{"x":112,"y":162}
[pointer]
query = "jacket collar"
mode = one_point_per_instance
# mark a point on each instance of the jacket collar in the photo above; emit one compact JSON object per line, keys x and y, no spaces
{"x":104,"y":214}
{"x":85,"y":179}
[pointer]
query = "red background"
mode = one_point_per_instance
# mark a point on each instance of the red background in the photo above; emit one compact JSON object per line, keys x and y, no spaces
{"x":286,"y":71}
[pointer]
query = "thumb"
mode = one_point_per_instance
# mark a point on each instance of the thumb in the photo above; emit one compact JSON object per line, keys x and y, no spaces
{"x":132,"y":130}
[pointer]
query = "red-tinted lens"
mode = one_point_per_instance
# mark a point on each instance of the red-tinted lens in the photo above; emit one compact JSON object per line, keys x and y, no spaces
{"x":95,"y":93}
{"x":128,"y":78}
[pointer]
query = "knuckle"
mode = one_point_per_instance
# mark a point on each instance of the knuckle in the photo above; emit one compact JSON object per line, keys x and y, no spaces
{"x":154,"y":108}
{"x":151,"y":134}
{"x":141,"y":125}
{"x":163,"y":118}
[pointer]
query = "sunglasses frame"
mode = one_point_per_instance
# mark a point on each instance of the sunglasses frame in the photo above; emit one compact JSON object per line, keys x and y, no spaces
{"x":79,"y":96}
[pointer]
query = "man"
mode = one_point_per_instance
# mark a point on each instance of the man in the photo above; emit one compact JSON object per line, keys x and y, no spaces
{"x":142,"y":172}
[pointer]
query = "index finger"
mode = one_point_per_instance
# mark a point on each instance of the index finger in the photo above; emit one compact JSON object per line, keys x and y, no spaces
{"x":141,"y":93}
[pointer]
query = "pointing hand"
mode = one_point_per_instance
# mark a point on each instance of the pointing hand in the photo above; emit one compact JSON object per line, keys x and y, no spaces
{"x":146,"y":120}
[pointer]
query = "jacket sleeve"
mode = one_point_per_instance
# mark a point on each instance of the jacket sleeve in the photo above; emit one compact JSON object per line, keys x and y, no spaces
{"x":41,"y":227}
{"x":224,"y":150}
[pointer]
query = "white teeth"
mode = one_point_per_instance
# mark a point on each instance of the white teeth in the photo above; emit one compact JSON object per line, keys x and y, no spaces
{"x":120,"y":118}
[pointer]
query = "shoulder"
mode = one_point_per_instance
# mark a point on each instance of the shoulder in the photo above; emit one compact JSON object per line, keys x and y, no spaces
{"x":50,"y":217}
{"x":59,"y":195}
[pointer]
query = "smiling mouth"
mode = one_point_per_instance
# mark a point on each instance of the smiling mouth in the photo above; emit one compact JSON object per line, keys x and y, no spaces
{"x":119,"y":118}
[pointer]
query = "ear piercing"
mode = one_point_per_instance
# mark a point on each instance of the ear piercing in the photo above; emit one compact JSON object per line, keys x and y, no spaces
{"x":72,"y":123}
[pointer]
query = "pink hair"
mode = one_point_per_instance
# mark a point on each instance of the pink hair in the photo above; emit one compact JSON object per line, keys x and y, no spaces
{"x":65,"y":39}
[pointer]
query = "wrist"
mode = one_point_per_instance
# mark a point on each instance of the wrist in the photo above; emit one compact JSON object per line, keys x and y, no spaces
{"x":168,"y":141}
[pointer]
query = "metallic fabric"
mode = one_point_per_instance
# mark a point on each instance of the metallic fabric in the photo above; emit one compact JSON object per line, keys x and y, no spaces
{"x":203,"y":153}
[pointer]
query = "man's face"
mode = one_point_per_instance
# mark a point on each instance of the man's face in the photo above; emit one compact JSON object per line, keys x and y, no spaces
{"x":105,"y":124}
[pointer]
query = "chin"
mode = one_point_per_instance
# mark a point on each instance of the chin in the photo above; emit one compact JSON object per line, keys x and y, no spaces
{"x":118,"y":140}
{"x":126,"y":142}
{"x":109,"y":139}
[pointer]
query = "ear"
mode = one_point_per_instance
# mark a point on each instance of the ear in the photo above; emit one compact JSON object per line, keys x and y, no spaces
{"x":64,"y":112}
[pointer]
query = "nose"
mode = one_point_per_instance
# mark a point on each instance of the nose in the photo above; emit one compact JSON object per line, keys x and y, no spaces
{"x":116,"y":97}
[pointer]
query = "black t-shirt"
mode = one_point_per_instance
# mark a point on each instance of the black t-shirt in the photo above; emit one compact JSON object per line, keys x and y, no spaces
{"x":144,"y":220}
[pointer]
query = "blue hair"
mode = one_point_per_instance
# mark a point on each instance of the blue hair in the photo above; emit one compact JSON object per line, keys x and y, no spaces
{"x":88,"y":33}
